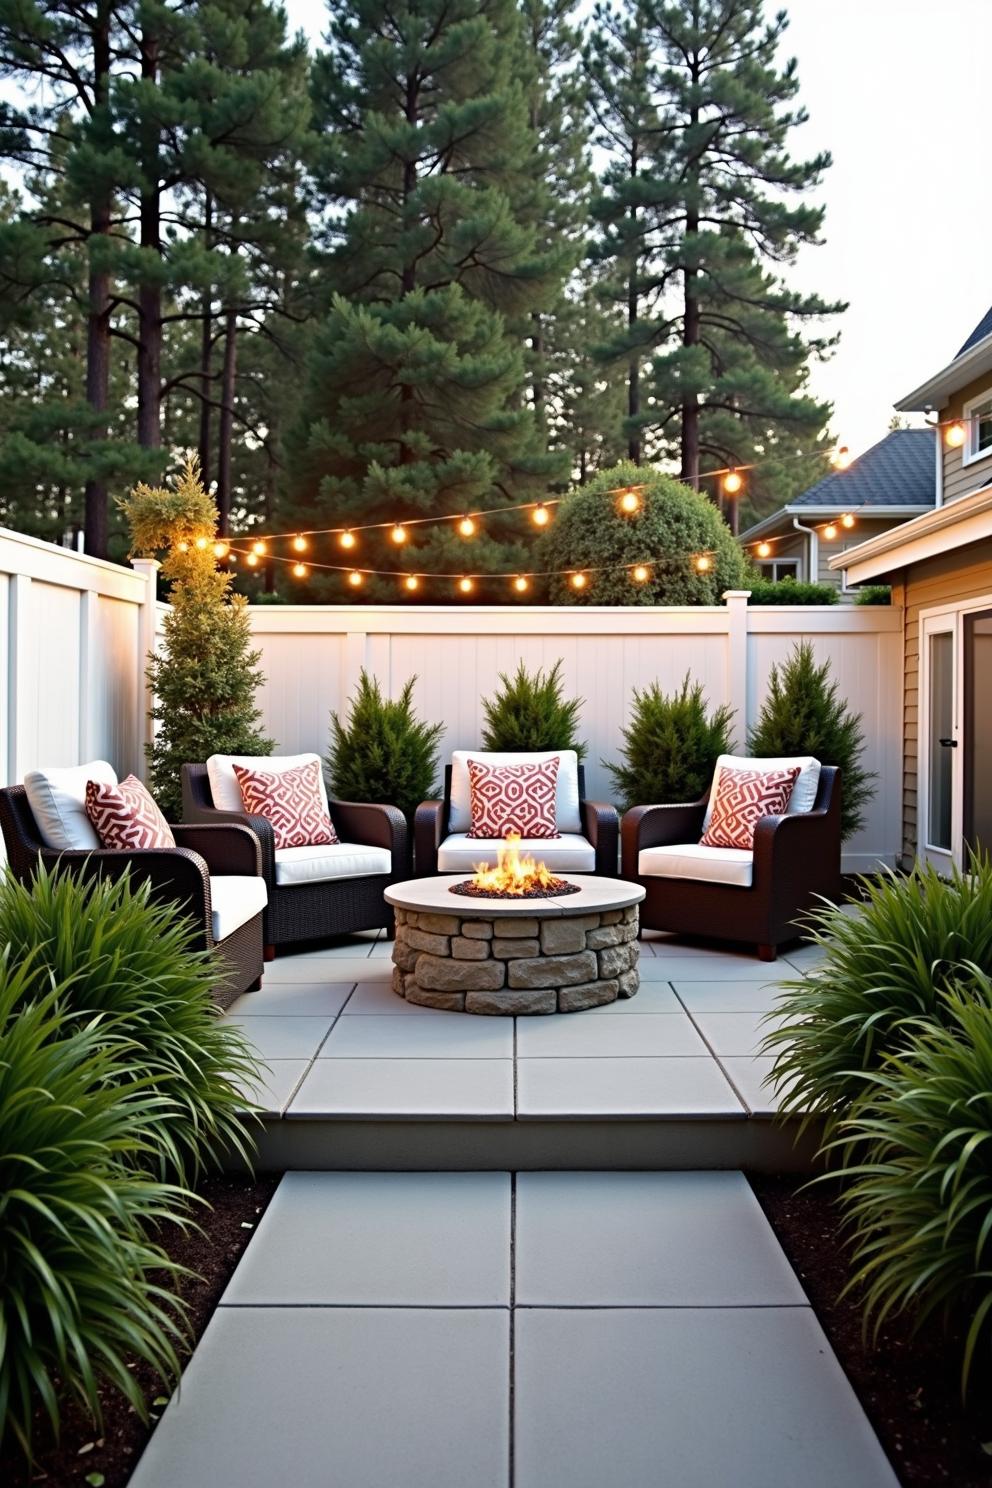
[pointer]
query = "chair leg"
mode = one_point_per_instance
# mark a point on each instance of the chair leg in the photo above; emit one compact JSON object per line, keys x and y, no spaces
{"x":256,"y":985}
{"x":269,"y":953}
{"x":767,"y":953}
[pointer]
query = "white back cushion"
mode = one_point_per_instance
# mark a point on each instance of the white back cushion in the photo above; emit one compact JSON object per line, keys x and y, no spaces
{"x":567,"y":795}
{"x":224,"y":788}
{"x":58,"y":801}
{"x":803,"y":796}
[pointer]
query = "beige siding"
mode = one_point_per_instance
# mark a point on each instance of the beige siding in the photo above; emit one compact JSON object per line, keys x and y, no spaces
{"x":948,"y":579}
{"x":959,"y":478}
{"x":867,"y":528}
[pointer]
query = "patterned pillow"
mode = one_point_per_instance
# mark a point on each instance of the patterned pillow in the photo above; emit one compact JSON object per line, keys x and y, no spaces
{"x":291,"y":800}
{"x":742,"y":798}
{"x":125,"y":815}
{"x":513,"y":798}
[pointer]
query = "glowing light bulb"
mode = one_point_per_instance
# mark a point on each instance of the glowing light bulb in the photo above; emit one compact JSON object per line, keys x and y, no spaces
{"x":520,"y":584}
{"x":355,"y":579}
{"x":830,"y":531}
{"x":398,"y":534}
{"x":183,"y":547}
{"x":221,"y":550}
{"x":258,"y":548}
{"x":847,"y":521}
{"x":300,"y":570}
{"x":466,"y":527}
{"x":540,"y":516}
{"x":347,"y":539}
{"x":578,"y":581}
{"x":704,"y":563}
{"x":201,"y":543}
{"x":411,"y":582}
{"x":252,"y":560}
{"x":841,"y":458}
{"x":640,"y":573}
{"x":232,"y":557}
{"x":764,"y":550}
{"x":629,"y":502}
{"x":954,"y":435}
{"x":299,"y":544}
{"x":732,"y":482}
{"x":465,"y":585}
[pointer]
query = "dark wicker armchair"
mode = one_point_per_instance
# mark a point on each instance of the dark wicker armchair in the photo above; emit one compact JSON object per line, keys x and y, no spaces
{"x":321,"y":907}
{"x":796,"y":862}
{"x":179,"y":875}
{"x":600,"y":829}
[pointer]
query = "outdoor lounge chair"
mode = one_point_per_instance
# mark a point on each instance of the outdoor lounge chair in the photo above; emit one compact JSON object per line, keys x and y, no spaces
{"x":757,"y":896}
{"x":313,"y":892}
{"x":212,"y":875}
{"x":589,"y":829}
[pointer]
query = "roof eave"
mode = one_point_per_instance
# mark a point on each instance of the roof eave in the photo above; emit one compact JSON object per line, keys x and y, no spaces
{"x":964,"y":369}
{"x":966,"y":520}
{"x":783,"y":517}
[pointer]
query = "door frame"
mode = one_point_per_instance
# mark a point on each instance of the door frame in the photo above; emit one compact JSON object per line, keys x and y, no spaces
{"x":943,"y":619}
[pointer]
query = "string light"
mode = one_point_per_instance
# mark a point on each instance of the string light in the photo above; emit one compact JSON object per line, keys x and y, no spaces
{"x":347,"y":539}
{"x":830,"y":531}
{"x":252,"y":560}
{"x":521,"y":584}
{"x":629,"y":502}
{"x":732,"y":482}
{"x":466,"y":527}
{"x":579,"y":581}
{"x":764,"y":550}
{"x":465,"y":585}
{"x":300,"y":543}
{"x":640,"y":573}
{"x":356,"y":579}
{"x":841,"y":458}
{"x":258,"y":548}
{"x":201,"y":543}
{"x":847,"y":520}
{"x":954,"y":435}
{"x":183,"y":546}
{"x":540,"y":516}
{"x":704,"y":563}
{"x":300,"y":570}
{"x":221,"y":549}
{"x":411,"y":582}
{"x":398,"y":533}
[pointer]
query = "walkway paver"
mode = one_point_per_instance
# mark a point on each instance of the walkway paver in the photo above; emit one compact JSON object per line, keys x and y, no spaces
{"x":543,"y":1330}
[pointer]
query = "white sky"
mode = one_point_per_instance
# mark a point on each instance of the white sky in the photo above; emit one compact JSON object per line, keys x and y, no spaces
{"x":897,"y":90}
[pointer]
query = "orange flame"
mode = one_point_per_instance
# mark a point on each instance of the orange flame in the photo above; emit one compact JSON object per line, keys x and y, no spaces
{"x":512,"y":874}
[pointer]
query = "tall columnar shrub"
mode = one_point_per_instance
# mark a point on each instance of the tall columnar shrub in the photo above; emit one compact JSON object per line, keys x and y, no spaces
{"x":802,"y":714}
{"x":83,"y":1292}
{"x":383,"y":751}
{"x":206,"y":679}
{"x":530,"y":711}
{"x":670,"y":746}
{"x":127,"y":961}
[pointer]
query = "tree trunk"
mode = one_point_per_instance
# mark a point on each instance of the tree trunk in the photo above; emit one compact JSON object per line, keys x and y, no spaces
{"x":226,"y":422}
{"x":149,"y":292}
{"x":206,"y":349}
{"x":633,"y":312}
{"x":95,"y":523}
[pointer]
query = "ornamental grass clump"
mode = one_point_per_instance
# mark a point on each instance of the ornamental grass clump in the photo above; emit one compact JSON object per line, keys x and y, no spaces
{"x":530,"y":711}
{"x":918,"y":1202}
{"x":119,"y":956}
{"x":82,"y":1291}
{"x":670,"y":746}
{"x":383,"y":752}
{"x":888,"y":964}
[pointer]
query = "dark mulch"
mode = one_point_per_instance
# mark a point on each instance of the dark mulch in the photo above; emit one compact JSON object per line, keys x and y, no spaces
{"x":908,"y":1384}
{"x":84,"y":1454}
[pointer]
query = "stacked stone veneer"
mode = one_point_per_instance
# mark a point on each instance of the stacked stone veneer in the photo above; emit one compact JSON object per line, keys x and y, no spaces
{"x":515,"y":964}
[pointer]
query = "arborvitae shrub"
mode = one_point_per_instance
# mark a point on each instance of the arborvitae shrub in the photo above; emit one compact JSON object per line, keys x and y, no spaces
{"x":874,"y":594}
{"x":384,"y":752}
{"x":670,"y":746}
{"x":790,"y":592}
{"x":530,"y":711}
{"x":802,"y":714}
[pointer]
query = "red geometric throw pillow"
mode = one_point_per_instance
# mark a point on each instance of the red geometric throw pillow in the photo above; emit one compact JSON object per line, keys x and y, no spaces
{"x":125,"y":815}
{"x":513,"y":798}
{"x":742,"y":798}
{"x":292,"y":801}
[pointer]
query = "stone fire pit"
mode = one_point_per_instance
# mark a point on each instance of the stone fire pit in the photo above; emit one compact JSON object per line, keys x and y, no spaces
{"x":505,"y":956}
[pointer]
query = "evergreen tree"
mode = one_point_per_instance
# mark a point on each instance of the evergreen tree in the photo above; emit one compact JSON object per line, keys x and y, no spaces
{"x":205,"y":681}
{"x":383,"y":751}
{"x":670,"y":746}
{"x":414,"y":401}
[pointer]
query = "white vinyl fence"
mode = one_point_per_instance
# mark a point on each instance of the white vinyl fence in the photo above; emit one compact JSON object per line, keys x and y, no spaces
{"x":75,"y":632}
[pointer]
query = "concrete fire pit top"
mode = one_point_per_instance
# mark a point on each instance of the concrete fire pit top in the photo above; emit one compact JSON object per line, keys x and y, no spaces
{"x":434,"y":896}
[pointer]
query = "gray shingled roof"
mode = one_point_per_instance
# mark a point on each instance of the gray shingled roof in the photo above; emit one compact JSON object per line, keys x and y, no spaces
{"x":897,"y":471}
{"x":983,"y":329}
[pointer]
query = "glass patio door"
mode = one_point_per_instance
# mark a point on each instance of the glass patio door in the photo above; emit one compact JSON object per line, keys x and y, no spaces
{"x":977,"y":761}
{"x":938,"y":801}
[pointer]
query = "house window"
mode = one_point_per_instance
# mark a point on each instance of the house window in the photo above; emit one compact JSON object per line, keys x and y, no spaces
{"x":978,"y":424}
{"x":778,"y":569}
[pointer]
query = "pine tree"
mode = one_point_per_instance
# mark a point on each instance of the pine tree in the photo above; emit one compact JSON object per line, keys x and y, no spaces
{"x":414,"y":405}
{"x":205,"y":681}
{"x":802,"y":714}
{"x":670,"y":746}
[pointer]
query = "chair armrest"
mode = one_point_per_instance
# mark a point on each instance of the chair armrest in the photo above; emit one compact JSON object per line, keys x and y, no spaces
{"x":659,"y":826}
{"x":427,"y":835}
{"x":209,"y":816}
{"x":375,"y":826}
{"x":177,"y":875}
{"x":801,"y":850}
{"x":601,"y":825}
{"x":226,"y":847}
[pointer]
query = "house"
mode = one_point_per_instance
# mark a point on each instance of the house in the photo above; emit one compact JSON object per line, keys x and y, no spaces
{"x":940,"y":568}
{"x":890,"y":483}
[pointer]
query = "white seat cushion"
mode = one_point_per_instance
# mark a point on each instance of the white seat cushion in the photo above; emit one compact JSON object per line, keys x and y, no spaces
{"x":722,"y":865}
{"x":568,"y":853}
{"x":299,"y":865}
{"x":225,"y":792}
{"x":234,"y":900}
{"x":567,"y":790}
{"x":58,"y":802}
{"x":803,"y":796}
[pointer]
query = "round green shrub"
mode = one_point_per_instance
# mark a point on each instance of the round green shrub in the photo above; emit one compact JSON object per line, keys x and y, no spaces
{"x":887,"y":965}
{"x":79,"y":1294}
{"x":118,"y":956}
{"x":670,"y":747}
{"x":791,"y":592}
{"x":673,"y":525}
